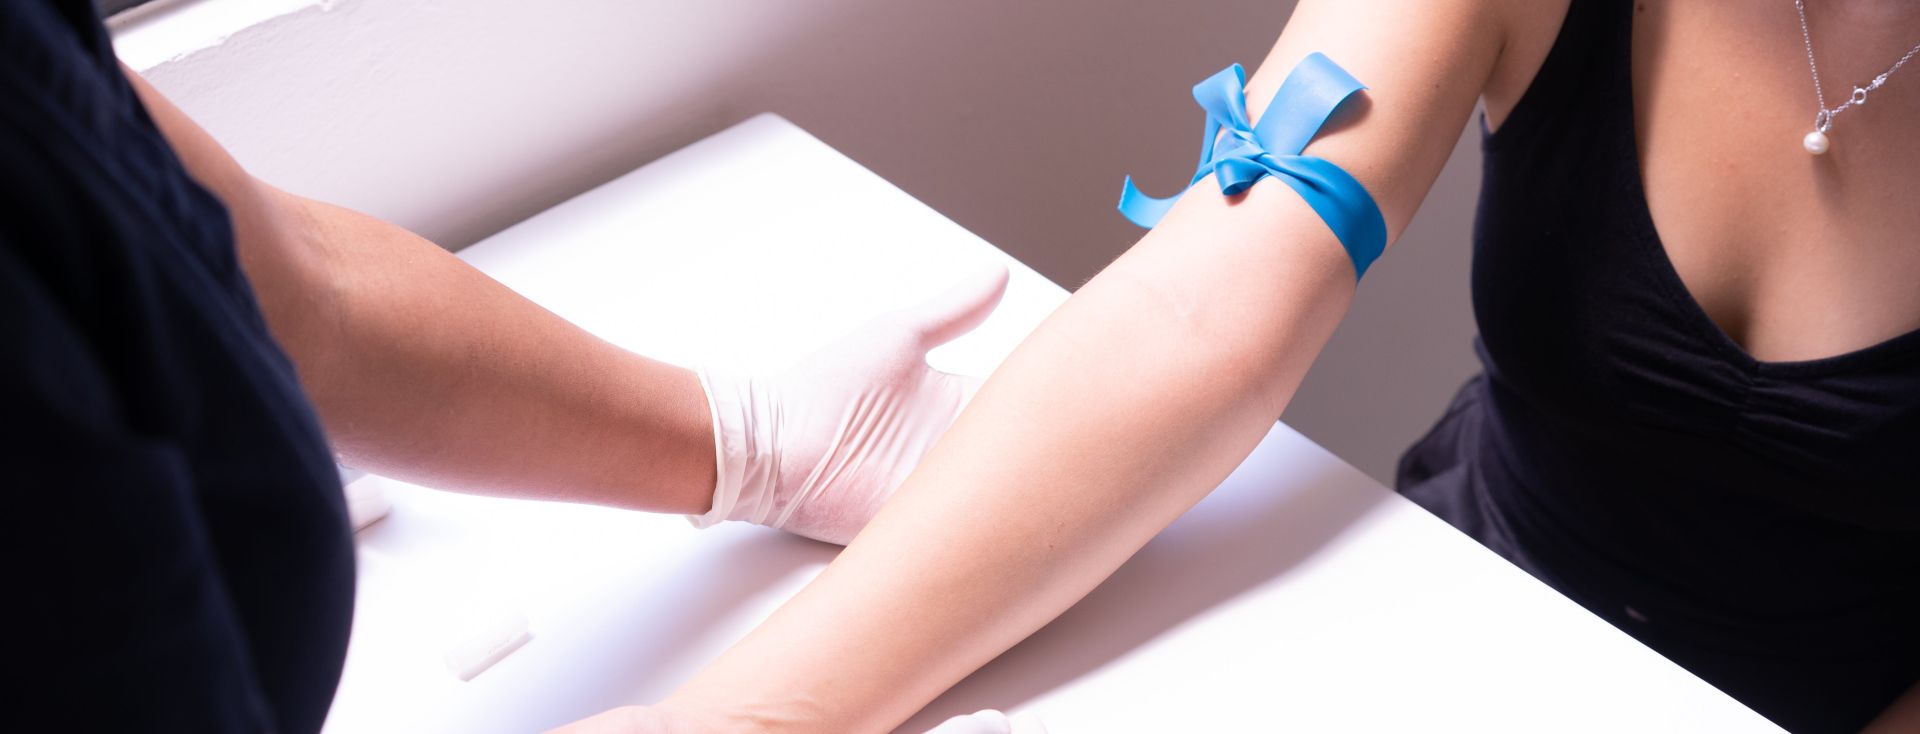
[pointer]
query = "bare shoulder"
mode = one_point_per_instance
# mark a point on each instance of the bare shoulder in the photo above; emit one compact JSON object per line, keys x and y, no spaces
{"x":1532,"y":26}
{"x":1426,"y":65}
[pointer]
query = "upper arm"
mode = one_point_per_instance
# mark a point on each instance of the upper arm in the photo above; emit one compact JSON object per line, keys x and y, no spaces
{"x":1255,"y":284}
{"x":1425,"y":65}
{"x":203,"y":157}
{"x":293,"y":273}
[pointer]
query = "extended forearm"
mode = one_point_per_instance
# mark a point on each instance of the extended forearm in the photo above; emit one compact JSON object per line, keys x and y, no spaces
{"x":422,"y":367}
{"x":1126,"y":407}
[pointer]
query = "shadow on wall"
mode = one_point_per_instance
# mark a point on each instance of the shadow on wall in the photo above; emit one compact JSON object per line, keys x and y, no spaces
{"x":1020,"y":119}
{"x":455,"y":119}
{"x":1017,"y":119}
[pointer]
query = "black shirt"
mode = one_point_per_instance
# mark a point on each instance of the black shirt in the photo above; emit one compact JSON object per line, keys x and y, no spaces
{"x":1756,"y":522}
{"x":178,"y":556}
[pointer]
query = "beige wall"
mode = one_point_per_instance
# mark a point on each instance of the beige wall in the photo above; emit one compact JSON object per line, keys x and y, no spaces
{"x":1017,"y":118}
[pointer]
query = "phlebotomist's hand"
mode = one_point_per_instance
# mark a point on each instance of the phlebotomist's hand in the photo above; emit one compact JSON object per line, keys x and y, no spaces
{"x":424,"y":369}
{"x":817,"y":448}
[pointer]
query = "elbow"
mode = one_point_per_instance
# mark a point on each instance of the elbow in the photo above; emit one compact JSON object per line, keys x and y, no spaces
{"x":1249,"y":350}
{"x":280,"y":243}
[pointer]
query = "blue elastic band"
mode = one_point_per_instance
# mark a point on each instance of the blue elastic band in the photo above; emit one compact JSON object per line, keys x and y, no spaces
{"x":1311,"y":93}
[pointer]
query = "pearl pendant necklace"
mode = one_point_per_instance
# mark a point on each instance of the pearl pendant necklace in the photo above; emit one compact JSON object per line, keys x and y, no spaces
{"x":1817,"y":142}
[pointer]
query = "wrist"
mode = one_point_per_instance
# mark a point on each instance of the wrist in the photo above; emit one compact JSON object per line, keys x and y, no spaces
{"x":687,"y":717}
{"x":742,"y":479}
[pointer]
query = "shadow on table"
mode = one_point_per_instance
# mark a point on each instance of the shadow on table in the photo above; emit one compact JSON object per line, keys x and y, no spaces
{"x":1262,"y":522}
{"x":1275,"y":512}
{"x":662,"y":625}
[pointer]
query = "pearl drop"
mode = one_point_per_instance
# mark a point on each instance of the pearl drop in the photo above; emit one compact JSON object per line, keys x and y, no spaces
{"x":1816,"y":142}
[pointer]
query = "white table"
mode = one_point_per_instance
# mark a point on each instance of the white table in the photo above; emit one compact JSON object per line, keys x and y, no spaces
{"x":1300,"y":596}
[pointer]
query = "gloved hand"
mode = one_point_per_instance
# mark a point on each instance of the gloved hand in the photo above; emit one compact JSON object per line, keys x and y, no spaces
{"x":817,"y":448}
{"x":990,"y":722}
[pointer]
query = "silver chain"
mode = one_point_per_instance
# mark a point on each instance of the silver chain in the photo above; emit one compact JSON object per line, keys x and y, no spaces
{"x":1824,"y":120}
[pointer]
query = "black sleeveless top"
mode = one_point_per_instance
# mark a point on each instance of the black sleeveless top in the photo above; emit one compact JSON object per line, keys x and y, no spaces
{"x":1756,"y":522}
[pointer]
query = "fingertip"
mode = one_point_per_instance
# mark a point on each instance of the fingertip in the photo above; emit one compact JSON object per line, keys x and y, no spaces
{"x":963,"y":305}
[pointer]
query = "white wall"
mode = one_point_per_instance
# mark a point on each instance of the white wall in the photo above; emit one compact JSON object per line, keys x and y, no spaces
{"x":1017,"y":118}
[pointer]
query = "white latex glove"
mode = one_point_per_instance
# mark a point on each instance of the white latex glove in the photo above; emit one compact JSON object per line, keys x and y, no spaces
{"x":990,"y":722}
{"x":817,"y":448}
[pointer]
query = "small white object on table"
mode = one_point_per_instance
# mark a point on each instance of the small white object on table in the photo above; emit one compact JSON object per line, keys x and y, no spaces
{"x":1300,"y":596}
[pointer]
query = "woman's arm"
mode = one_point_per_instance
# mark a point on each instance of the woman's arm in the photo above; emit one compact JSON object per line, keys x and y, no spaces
{"x":1121,"y":411}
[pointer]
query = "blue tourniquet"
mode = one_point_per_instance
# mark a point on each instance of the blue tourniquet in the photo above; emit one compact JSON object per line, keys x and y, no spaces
{"x":1247,"y":152}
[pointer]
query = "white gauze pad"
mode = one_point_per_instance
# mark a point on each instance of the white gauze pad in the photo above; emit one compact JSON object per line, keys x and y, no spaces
{"x":484,"y":641}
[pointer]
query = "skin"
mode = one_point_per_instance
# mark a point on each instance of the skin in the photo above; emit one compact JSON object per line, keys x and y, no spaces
{"x":1150,"y":385}
{"x":425,"y":369}
{"x":1795,"y":256}
{"x":1140,"y":394}
{"x":1120,"y":412}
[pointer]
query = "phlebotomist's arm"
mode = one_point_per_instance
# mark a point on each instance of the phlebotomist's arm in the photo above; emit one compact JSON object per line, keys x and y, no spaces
{"x":424,"y":368}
